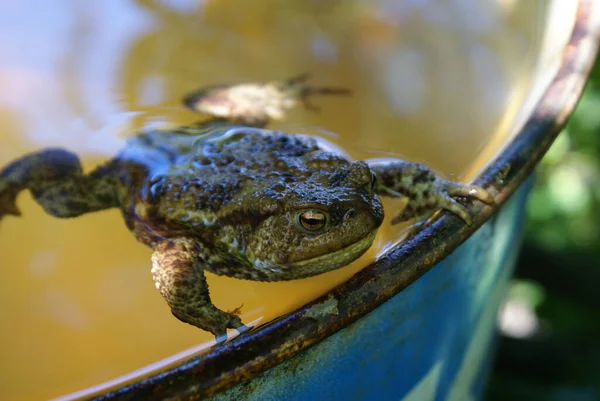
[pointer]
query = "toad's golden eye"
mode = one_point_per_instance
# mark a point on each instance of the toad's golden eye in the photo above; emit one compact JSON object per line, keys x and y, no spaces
{"x":312,"y":220}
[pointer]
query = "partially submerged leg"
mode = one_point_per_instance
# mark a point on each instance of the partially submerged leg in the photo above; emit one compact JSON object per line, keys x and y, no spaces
{"x":426,"y":192}
{"x":256,"y":103}
{"x":179,"y":276}
{"x":296,"y":89}
{"x":57,"y":183}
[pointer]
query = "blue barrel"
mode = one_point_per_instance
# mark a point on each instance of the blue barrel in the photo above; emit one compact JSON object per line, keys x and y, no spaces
{"x":417,"y":324}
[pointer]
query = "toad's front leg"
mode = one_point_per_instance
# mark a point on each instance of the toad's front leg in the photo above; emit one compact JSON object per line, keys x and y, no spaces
{"x":426,"y":192}
{"x":178,"y":273}
{"x":56,"y":181}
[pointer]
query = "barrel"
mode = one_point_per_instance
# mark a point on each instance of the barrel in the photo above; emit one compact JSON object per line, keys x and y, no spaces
{"x":417,"y":324}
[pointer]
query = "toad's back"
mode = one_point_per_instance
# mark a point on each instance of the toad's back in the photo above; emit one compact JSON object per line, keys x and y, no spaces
{"x":240,"y":151}
{"x":191,"y":177}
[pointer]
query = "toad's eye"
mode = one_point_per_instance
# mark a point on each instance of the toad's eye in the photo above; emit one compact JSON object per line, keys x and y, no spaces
{"x":312,"y":220}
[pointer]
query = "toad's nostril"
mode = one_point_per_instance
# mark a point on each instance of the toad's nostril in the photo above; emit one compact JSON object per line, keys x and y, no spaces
{"x":350,"y":214}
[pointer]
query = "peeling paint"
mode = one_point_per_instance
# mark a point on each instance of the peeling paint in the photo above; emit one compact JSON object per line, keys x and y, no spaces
{"x":329,"y":307}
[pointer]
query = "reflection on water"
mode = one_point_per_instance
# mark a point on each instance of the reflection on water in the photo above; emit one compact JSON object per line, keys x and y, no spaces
{"x":432,"y":81}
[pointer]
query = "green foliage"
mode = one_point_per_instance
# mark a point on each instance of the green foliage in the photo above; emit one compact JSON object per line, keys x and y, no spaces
{"x":559,"y":270}
{"x":564,"y":208}
{"x":529,"y":292}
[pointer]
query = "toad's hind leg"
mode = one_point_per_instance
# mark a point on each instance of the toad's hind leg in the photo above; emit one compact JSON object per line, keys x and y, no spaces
{"x":179,"y":276}
{"x":425,"y":191}
{"x":57,"y":183}
{"x":257,"y":103}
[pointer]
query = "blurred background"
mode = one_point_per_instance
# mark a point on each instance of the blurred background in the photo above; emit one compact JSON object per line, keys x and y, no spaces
{"x":549,"y":347}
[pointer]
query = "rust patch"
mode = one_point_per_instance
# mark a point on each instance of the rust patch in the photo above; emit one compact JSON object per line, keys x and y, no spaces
{"x":317,"y":311}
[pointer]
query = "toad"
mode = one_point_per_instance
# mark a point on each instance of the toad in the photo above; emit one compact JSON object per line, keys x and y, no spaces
{"x":230,"y":197}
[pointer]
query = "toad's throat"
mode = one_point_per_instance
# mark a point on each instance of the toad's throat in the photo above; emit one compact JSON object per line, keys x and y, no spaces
{"x":317,"y":265}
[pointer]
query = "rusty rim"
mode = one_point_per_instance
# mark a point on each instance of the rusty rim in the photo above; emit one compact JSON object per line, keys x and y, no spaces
{"x":248,"y":355}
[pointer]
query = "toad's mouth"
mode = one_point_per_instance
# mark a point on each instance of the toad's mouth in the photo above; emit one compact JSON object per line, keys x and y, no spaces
{"x":316,"y":265}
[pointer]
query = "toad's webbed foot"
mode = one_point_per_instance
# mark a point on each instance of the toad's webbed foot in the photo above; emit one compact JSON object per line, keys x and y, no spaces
{"x":179,"y":276}
{"x":211,"y":319}
{"x":426,"y":192}
{"x":57,"y":183}
{"x":255,"y":103}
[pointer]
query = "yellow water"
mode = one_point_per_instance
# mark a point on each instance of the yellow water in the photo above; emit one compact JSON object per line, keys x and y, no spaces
{"x":432,"y":81}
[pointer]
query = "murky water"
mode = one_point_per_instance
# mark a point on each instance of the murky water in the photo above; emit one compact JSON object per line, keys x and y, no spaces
{"x":441,"y":82}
